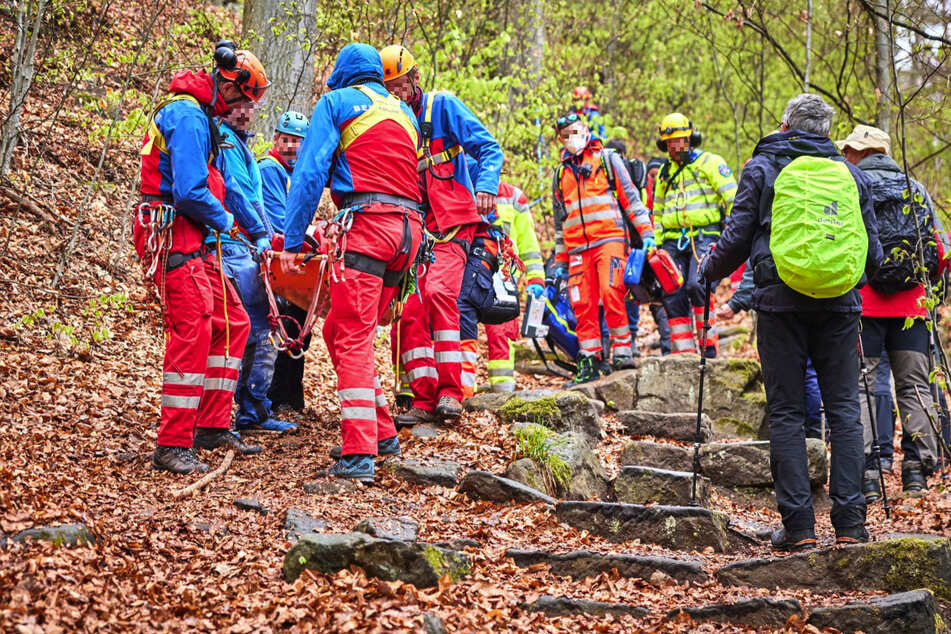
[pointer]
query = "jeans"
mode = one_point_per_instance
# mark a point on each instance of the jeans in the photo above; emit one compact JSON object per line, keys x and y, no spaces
{"x":257,"y":362}
{"x":830,"y":340}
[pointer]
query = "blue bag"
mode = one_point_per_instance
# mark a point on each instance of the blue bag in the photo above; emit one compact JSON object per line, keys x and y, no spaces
{"x":561,"y":322}
{"x":634,"y":268}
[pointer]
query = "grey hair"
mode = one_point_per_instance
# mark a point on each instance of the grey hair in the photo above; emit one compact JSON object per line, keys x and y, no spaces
{"x":810,"y":113}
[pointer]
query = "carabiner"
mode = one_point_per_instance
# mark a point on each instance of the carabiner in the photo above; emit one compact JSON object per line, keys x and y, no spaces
{"x":684,"y":240}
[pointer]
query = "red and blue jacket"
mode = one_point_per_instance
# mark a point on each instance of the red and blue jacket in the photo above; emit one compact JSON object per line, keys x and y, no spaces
{"x":448,"y":188}
{"x":593,"y":118}
{"x":178,"y":160}
{"x":275,"y":182}
{"x":379,"y":159}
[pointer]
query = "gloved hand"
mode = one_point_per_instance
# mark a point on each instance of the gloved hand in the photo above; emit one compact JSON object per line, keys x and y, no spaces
{"x":561,"y":273}
{"x":262,"y":244}
{"x":649,"y":244}
{"x":536,"y":289}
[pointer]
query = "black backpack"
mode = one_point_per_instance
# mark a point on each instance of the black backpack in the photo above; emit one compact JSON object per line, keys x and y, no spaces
{"x":902,"y":217}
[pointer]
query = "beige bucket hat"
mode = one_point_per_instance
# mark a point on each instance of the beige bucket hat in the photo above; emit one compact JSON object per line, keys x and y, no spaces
{"x":864,"y":137}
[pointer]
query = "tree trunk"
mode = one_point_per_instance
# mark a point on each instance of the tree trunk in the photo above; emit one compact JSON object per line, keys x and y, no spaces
{"x":29,"y":19}
{"x":282,"y":33}
{"x":883,"y":67}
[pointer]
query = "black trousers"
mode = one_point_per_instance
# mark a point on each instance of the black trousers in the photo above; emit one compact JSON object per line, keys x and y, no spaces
{"x":785,"y":342}
{"x":287,"y":386}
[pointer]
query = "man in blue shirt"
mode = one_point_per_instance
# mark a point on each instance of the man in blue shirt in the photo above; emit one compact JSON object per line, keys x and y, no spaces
{"x":257,"y":363}
{"x":277,"y":166}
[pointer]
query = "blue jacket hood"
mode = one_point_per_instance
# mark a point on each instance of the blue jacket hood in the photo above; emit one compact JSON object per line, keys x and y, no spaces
{"x":796,"y":143}
{"x":355,"y":63}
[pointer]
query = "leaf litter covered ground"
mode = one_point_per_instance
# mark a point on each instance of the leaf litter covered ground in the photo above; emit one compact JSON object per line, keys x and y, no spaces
{"x":78,"y":428}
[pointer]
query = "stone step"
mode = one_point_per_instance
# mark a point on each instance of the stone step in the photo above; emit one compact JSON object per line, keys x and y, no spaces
{"x":746,"y":464}
{"x":427,"y":472}
{"x":675,"y":527}
{"x":298,"y":522}
{"x":482,"y":485}
{"x":582,"y":563}
{"x":914,"y":611}
{"x":560,"y":411}
{"x":566,"y":606}
{"x":618,"y":390}
{"x":647,"y":485}
{"x":422,"y":565}
{"x":729,"y":464}
{"x":892,"y":565}
{"x":675,"y":426}
{"x":401,"y":528}
{"x":758,"y":612}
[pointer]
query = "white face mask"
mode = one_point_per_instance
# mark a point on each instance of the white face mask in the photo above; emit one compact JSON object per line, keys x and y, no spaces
{"x":576,"y":142}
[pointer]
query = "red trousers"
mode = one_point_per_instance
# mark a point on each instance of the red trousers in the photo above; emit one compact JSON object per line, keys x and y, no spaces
{"x":357,"y":301}
{"x":202,"y":352}
{"x":430,"y":355}
{"x":596,"y":276}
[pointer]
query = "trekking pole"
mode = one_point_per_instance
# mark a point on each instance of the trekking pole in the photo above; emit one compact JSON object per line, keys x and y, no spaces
{"x":703,"y":369}
{"x":876,"y":450}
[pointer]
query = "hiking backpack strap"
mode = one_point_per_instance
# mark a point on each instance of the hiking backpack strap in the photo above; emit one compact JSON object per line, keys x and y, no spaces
{"x":426,"y":128}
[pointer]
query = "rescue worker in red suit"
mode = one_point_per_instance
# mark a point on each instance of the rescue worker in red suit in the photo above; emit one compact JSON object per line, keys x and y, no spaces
{"x":591,"y":241}
{"x":363,"y":143}
{"x":203,"y":347}
{"x":428,"y":333}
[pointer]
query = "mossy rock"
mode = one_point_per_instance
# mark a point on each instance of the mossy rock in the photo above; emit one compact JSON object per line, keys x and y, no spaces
{"x":419,"y":564}
{"x":70,"y":535}
{"x":892,"y":565}
{"x":559,"y":411}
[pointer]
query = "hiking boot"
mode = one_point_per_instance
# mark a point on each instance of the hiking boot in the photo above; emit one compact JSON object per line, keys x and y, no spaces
{"x":179,"y":460}
{"x":404,"y":401}
{"x":272,"y":425}
{"x":384,"y":448}
{"x":357,"y":467}
{"x":887,"y":465}
{"x":587,"y":371}
{"x":623,"y":362}
{"x":604,"y":367}
{"x":414,"y":416}
{"x":854,"y":535}
{"x":871,"y":488}
{"x":793,"y":541}
{"x":214,"y":437}
{"x":448,"y":408}
{"x":912,"y":479}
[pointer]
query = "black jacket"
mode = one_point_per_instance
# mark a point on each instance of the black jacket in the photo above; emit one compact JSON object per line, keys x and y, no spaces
{"x":745,"y":236}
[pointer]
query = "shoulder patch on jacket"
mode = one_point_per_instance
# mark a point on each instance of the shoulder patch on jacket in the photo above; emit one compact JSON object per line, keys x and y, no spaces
{"x":725,"y":170}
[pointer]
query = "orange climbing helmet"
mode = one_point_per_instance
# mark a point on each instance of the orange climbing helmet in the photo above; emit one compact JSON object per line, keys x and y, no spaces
{"x":397,"y":61}
{"x":243,"y":68}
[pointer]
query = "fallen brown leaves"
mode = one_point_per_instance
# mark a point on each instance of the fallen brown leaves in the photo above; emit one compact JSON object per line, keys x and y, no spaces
{"x":78,"y":427}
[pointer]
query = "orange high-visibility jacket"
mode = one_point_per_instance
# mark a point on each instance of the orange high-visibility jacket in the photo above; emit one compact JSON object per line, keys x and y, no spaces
{"x":587,"y":213}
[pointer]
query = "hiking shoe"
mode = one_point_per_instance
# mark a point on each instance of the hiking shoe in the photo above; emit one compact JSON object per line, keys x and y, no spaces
{"x":604,"y":367}
{"x":887,"y":465}
{"x":623,"y":362}
{"x":912,"y":479}
{"x":794,"y":541}
{"x":414,"y":416}
{"x":871,"y":488}
{"x":854,"y":535}
{"x":384,"y":448}
{"x":214,"y":437}
{"x":448,"y":407}
{"x":273,"y":425}
{"x":587,"y":371}
{"x":181,"y":460}
{"x":357,"y":467}
{"x":404,"y":401}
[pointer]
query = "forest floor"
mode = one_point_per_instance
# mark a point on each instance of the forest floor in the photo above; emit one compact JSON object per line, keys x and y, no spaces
{"x":79,"y":394}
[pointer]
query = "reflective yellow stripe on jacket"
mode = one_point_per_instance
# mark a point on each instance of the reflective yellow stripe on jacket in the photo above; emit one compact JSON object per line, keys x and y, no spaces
{"x":693,"y":200}
{"x":381,"y":109}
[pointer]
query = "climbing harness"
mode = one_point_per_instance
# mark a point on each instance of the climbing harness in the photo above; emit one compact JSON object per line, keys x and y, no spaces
{"x":429,"y":160}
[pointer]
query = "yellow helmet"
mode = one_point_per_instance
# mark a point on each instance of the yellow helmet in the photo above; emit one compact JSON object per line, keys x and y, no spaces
{"x":675,"y":126}
{"x":397,"y":61}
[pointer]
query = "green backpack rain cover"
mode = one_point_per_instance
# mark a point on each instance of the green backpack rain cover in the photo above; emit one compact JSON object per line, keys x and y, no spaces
{"x":818,"y":238}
